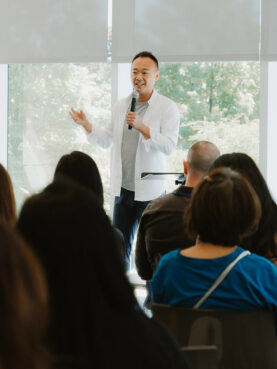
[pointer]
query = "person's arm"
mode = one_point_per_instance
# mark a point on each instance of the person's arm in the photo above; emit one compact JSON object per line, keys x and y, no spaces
{"x":101,"y":136}
{"x":163,"y":138}
{"x":159,"y":283}
{"x":81,"y":119}
{"x":143,"y":265}
{"x":135,"y":121}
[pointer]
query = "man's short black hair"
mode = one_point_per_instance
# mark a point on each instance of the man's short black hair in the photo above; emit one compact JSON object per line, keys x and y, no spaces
{"x":146,"y":54}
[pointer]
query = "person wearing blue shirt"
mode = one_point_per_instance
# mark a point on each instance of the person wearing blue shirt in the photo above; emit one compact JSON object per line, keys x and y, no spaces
{"x":223,"y":210}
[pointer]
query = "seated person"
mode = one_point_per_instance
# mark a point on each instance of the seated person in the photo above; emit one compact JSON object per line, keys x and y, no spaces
{"x":161,"y":226}
{"x":81,"y":168}
{"x":23,"y":305}
{"x":264,"y":241}
{"x":94,"y":318}
{"x":223,"y":210}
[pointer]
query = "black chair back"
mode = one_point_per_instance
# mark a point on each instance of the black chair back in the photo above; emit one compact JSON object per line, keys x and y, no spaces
{"x":201,"y":357}
{"x":244,"y":340}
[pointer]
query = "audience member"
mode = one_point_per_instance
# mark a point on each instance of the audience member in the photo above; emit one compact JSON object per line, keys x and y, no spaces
{"x":161,"y":227}
{"x":7,"y":199}
{"x":23,"y":305}
{"x":263,"y":241}
{"x":95,"y":317}
{"x":81,"y":168}
{"x":223,"y":210}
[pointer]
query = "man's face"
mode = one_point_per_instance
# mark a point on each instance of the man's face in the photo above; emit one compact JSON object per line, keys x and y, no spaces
{"x":144,"y":74}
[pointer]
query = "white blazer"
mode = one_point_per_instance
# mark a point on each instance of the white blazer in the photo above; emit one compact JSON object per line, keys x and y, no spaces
{"x":162,"y":117}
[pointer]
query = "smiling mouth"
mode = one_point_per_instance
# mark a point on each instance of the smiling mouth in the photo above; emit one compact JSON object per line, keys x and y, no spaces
{"x":139,"y":84}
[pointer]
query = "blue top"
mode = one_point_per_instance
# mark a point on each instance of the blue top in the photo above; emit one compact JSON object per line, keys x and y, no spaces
{"x":182,"y":281}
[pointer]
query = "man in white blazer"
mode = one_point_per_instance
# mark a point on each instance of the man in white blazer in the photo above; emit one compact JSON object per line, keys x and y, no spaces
{"x":140,"y":142}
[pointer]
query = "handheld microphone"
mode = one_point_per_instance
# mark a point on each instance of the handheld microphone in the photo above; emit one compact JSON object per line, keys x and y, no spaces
{"x":133,"y":103}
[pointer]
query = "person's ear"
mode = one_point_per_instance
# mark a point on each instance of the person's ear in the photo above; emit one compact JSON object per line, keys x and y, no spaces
{"x":157,"y":75}
{"x":185,"y":163}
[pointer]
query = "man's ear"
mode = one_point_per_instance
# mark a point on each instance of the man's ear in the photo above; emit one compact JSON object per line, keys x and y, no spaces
{"x":157,"y":75}
{"x":185,"y":163}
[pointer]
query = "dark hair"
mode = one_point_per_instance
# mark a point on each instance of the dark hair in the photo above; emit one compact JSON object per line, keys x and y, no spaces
{"x":81,"y":168}
{"x":23,"y":305}
{"x":7,"y":199}
{"x":73,"y":237}
{"x":95,"y":317}
{"x":262,"y":241}
{"x":223,"y":209}
{"x":146,"y":54}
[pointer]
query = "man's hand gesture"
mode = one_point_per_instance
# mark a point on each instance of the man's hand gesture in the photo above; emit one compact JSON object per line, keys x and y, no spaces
{"x":81,"y":119}
{"x":134,"y":120}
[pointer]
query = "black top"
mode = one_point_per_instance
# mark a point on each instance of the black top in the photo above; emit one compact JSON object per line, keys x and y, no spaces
{"x":161,"y":230}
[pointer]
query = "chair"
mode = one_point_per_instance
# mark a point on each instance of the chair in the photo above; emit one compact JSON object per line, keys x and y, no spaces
{"x":244,"y":340}
{"x":201,"y":357}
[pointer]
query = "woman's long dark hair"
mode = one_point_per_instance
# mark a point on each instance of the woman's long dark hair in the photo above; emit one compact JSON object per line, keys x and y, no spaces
{"x":95,"y":316}
{"x":23,"y":305}
{"x":81,"y":168}
{"x":262,"y":241}
{"x":73,"y":237}
{"x":7,"y":199}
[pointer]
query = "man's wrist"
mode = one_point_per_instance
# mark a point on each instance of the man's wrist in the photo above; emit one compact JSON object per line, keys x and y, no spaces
{"x":145,"y":131}
{"x":88,"y":127}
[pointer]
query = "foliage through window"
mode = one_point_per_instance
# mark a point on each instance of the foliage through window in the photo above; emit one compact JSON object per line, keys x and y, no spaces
{"x":218,"y":102}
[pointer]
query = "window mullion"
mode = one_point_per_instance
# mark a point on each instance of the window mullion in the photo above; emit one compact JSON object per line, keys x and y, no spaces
{"x":4,"y":114}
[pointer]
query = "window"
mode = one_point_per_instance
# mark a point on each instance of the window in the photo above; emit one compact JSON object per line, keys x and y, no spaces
{"x":217,"y":102}
{"x":40,"y":129}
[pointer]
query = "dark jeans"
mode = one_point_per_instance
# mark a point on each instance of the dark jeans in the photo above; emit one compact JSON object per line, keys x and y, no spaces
{"x":126,"y":215}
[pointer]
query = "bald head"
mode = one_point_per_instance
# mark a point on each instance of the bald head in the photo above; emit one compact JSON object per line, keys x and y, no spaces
{"x":201,"y":156}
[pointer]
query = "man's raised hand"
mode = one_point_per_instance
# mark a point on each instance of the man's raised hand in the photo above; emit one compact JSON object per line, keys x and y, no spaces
{"x":81,"y":119}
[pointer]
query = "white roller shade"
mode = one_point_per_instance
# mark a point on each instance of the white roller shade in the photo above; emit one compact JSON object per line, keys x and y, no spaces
{"x":187,"y":30}
{"x":269,"y":30}
{"x":34,"y":31}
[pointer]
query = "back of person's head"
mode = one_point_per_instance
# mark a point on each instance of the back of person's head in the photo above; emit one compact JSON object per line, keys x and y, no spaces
{"x":81,"y":168}
{"x":7,"y":199}
{"x":23,"y":304}
{"x":223,"y":209}
{"x":74,"y":239}
{"x":245,"y":165}
{"x":262,"y":241}
{"x":201,"y":156}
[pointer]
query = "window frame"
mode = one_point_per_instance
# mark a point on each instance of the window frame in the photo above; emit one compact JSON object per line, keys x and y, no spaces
{"x":4,"y":91}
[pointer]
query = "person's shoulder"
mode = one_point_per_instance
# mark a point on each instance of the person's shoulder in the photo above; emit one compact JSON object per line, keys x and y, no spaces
{"x":160,"y":202}
{"x":167,"y":264}
{"x":171,"y":255}
{"x":122,"y":102}
{"x":176,"y":200}
{"x":261,"y":263}
{"x":259,"y":259}
{"x":165,"y":100}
